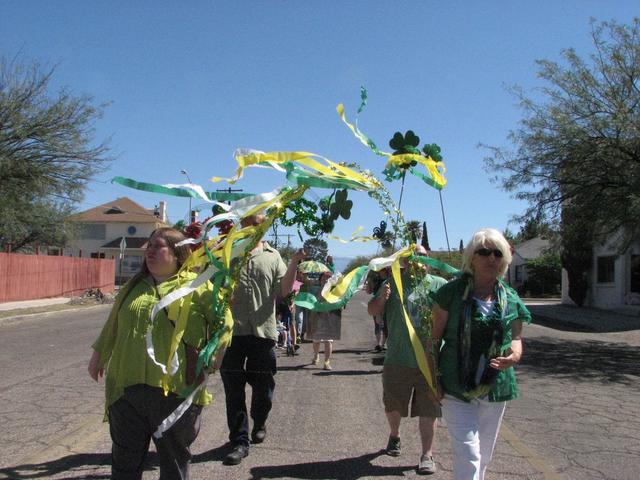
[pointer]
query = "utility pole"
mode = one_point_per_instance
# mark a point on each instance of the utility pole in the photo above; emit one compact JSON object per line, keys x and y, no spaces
{"x":229,"y":190}
{"x":185,"y":173}
{"x":276,"y":235}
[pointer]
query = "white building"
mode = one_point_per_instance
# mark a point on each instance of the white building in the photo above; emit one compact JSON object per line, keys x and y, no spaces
{"x":121,"y":224}
{"x":523,"y":252}
{"x":614,"y":278}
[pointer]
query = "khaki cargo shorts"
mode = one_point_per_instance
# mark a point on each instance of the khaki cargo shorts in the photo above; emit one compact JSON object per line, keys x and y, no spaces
{"x":404,"y":385}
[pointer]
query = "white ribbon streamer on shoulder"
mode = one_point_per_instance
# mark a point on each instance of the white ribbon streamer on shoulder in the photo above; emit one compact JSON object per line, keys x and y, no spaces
{"x":166,"y":301}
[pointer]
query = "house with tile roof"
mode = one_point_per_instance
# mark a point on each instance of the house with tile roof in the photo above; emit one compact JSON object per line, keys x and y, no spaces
{"x":117,"y":227}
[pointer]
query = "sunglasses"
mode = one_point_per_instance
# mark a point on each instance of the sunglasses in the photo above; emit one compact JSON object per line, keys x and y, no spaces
{"x":485,"y":252}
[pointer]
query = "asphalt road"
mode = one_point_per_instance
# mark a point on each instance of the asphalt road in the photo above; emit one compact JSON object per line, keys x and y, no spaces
{"x":577,"y":417}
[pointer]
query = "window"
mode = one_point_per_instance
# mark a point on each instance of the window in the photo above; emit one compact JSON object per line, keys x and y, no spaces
{"x":606,"y":269}
{"x":519,"y":273}
{"x":131,"y":263}
{"x":93,"y":231}
{"x":635,"y":273}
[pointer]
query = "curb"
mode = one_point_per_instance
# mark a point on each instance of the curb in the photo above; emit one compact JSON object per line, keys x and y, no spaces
{"x":48,"y":312}
{"x":562,"y":324}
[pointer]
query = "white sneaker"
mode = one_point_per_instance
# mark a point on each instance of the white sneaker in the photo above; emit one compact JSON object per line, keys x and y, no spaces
{"x":426,"y":466}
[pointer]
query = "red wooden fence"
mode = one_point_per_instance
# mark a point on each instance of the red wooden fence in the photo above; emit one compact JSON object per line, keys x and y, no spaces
{"x":29,"y":277}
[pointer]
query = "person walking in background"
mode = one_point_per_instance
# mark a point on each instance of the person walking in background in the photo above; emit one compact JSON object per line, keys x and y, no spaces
{"x":374,"y":282}
{"x":403,"y":383}
{"x":300,"y":313}
{"x":136,"y":404}
{"x":480,"y":319}
{"x":324,"y":327}
{"x":251,"y":357}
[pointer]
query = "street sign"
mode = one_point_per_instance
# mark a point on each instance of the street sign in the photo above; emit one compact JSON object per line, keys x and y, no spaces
{"x":123,"y":246}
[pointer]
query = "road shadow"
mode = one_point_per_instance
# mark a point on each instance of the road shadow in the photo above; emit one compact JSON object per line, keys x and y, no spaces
{"x":357,"y":351}
{"x":292,"y":368}
{"x":582,"y":360}
{"x":572,"y":318}
{"x":352,"y":468}
{"x":378,"y":361}
{"x":327,"y":373}
{"x":214,"y":455}
{"x":77,"y":463}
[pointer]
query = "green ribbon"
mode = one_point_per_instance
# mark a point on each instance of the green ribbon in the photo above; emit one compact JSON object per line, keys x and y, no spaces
{"x":177,"y":192}
{"x":426,"y":179}
{"x":435,"y":263}
{"x":300,"y":176}
{"x":311,"y":302}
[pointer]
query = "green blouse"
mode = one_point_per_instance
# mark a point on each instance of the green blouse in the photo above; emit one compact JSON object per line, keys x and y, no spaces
{"x":449,"y":298}
{"x":122,"y":344}
{"x":418,"y":303}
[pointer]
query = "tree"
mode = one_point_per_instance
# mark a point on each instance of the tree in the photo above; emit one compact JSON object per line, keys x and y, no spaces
{"x":532,"y":228}
{"x":543,"y":275}
{"x":316,"y":248}
{"x":358,"y":261}
{"x":576,"y":251}
{"x":413,"y":230}
{"x":580,"y":144}
{"x":47,"y":155}
{"x":286,"y":252}
{"x":577,"y":155}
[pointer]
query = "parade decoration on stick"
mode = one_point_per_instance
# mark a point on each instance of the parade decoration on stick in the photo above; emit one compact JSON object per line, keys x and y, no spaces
{"x":219,"y":258}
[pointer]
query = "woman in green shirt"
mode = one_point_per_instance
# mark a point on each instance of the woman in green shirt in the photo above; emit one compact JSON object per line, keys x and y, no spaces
{"x":479,"y":318}
{"x":136,"y":405}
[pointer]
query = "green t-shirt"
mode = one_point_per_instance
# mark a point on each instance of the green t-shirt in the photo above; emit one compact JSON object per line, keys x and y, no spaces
{"x":418,"y":304}
{"x":449,"y":298}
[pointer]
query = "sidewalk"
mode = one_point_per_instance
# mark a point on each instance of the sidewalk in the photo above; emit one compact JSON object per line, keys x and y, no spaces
{"x":41,"y":302}
{"x":553,"y":314}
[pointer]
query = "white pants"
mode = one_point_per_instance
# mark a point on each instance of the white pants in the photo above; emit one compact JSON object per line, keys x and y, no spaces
{"x":473,"y":428}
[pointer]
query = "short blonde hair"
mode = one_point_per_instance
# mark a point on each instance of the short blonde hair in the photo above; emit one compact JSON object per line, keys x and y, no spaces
{"x":481,"y":239}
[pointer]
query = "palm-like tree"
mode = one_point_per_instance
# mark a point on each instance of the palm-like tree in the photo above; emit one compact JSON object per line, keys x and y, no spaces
{"x":413,"y":230}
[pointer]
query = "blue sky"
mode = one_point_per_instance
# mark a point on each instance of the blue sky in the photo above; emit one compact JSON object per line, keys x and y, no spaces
{"x":189,"y":82}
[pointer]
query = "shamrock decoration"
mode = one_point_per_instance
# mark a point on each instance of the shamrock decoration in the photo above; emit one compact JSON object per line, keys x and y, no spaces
{"x":379,"y":232}
{"x":432,"y":150}
{"x":304,"y":215}
{"x":404,"y":144}
{"x":341,"y":207}
{"x":325,"y":203}
{"x":326,"y":223}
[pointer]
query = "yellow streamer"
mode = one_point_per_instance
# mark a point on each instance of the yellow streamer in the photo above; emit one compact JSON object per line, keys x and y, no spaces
{"x":338,"y":291}
{"x":435,"y":169}
{"x":179,"y":310}
{"x":354,"y":237}
{"x":364,"y":140}
{"x":421,"y":356}
{"x":305,"y":159}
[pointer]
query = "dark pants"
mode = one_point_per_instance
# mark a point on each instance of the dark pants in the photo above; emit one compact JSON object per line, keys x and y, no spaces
{"x":249,"y":360}
{"x":133,"y":419}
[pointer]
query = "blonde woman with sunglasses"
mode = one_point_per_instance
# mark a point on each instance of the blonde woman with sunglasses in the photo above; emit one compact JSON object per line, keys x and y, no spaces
{"x":479,"y":319}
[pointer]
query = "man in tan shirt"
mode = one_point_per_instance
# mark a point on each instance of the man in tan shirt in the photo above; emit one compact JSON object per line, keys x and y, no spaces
{"x":251,"y":357}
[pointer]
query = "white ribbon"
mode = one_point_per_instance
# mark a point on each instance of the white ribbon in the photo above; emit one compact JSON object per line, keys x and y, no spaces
{"x":199,"y":191}
{"x":166,"y":301}
{"x":174,"y":416}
